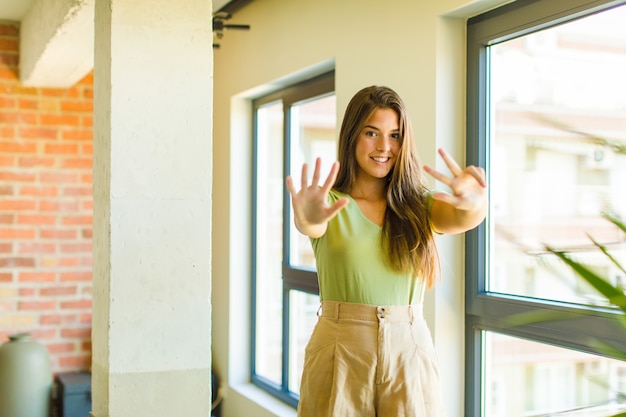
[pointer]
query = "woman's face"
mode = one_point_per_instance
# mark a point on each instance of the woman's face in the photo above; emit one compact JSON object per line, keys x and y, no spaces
{"x":378,"y":145}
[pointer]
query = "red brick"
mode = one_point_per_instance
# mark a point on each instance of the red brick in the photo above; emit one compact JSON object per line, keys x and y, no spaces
{"x":87,"y":81}
{"x":18,"y":118}
{"x":27,"y":104}
{"x":84,"y":332}
{"x":36,"y":305}
{"x":77,"y":220}
{"x":8,"y":306}
{"x":26,"y":292}
{"x":37,"y":276}
{"x":6,"y":277}
{"x":17,"y":205}
{"x":87,"y":233}
{"x":6,"y":190}
{"x":40,"y":334}
{"x":36,"y":132}
{"x":61,"y":148}
{"x":17,"y":233}
{"x":58,"y":234}
{"x":58,"y":290}
{"x":29,"y":162}
{"x":77,"y":134}
{"x":76,"y":305}
{"x":55,"y":348}
{"x":6,"y":247}
{"x":7,"y":74}
{"x":35,"y":219}
{"x":7,"y":161}
{"x":77,"y":106}
{"x":71,"y":92}
{"x":22,"y":176}
{"x":7,"y":132}
{"x":36,"y":247}
{"x":6,"y":218}
{"x":80,"y":163}
{"x":59,"y":120}
{"x":84,"y":276}
{"x":7,"y":102}
{"x":77,"y":191}
{"x":65,"y":262}
{"x":56,"y":176}
{"x":76,"y":247}
{"x":17,"y":262}
{"x":34,"y":191}
{"x":78,"y":362}
{"x":63,"y":206}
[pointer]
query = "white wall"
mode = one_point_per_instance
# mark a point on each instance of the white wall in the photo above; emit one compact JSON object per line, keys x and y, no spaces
{"x":416,"y":47}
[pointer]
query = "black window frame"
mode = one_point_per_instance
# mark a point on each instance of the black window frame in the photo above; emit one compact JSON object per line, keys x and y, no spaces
{"x":487,"y":311}
{"x":294,"y":278}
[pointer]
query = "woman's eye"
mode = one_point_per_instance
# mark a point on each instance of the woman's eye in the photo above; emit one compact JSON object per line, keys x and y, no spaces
{"x":370,"y":133}
{"x":395,"y":136}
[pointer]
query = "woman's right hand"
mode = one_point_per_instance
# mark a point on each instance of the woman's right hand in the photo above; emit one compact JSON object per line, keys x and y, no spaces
{"x":310,"y":204}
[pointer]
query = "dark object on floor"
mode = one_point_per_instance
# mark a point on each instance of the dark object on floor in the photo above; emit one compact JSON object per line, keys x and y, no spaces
{"x":73,"y":394}
{"x":217,"y":395}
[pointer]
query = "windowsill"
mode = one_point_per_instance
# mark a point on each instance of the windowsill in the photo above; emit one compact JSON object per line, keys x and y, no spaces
{"x":264,"y":400}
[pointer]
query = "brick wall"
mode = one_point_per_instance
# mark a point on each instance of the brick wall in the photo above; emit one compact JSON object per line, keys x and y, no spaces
{"x":45,"y":211}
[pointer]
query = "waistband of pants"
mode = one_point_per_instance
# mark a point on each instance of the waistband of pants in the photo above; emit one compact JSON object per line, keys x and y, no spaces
{"x":366,"y":312}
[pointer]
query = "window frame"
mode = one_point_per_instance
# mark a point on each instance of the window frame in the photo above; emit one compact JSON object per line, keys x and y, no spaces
{"x":294,"y":278}
{"x":485,"y":311}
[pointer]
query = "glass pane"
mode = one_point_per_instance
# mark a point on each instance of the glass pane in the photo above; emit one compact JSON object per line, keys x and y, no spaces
{"x":302,"y":319}
{"x":524,"y":379}
{"x":269,"y":242}
{"x":557,"y":156}
{"x":313,"y":135}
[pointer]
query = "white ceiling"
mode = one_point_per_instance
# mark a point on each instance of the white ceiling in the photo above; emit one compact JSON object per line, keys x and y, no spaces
{"x":17,"y":9}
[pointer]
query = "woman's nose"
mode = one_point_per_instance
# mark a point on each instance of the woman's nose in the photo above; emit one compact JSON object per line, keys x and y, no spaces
{"x":384,"y":143}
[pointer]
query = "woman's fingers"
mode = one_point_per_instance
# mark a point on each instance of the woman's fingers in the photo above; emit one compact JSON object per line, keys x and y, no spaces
{"x":304,"y":176}
{"x":316,"y":172}
{"x":450,"y":162}
{"x":438,"y":175}
{"x":289,"y":183}
{"x":332,"y":176}
{"x":478,"y":173}
{"x":336,"y":207}
{"x":475,"y":172}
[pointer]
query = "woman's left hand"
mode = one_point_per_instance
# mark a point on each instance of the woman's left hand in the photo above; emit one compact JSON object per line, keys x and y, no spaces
{"x":469,"y":188}
{"x":468,"y":197}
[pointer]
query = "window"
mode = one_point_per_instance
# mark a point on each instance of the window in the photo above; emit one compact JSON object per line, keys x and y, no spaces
{"x":292,"y":126}
{"x":546,"y":111}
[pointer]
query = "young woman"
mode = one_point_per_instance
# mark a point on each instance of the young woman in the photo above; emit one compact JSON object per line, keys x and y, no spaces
{"x":372,"y":224}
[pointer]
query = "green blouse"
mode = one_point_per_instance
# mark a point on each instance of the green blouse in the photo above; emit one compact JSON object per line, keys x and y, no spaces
{"x":351,"y":267}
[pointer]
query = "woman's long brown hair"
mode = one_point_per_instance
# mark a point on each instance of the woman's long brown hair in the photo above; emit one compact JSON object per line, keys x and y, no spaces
{"x":407,"y":236}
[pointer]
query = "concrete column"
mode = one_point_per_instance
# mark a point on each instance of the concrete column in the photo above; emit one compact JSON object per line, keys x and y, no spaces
{"x":152,"y":208}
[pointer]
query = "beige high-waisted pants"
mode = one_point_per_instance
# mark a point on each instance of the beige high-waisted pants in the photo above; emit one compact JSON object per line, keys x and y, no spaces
{"x":369,"y":361}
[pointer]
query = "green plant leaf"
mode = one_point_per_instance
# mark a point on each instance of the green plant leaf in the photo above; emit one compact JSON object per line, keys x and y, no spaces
{"x":595,"y":280}
{"x":606,"y":252}
{"x":539,"y":316}
{"x":615,"y":220}
{"x":608,"y":349}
